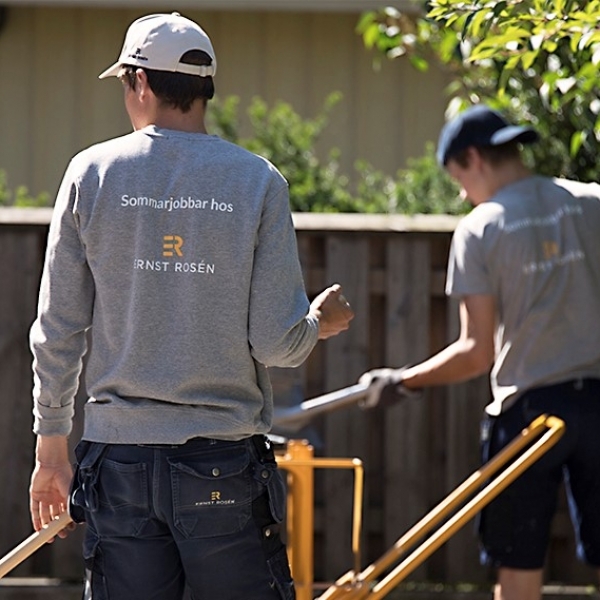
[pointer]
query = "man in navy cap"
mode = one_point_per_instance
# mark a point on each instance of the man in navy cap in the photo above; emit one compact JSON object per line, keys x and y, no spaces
{"x":525,"y":267}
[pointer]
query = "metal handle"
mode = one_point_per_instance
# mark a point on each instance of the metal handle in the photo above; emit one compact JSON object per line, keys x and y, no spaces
{"x":357,"y":586}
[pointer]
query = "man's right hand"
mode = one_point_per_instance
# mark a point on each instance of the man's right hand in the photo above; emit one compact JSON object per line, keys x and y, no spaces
{"x":50,"y":481}
{"x":332,"y":310}
{"x":385,"y":387}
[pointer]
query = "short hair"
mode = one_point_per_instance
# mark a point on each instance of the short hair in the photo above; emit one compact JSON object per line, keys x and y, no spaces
{"x":178,"y":90}
{"x":495,"y":155}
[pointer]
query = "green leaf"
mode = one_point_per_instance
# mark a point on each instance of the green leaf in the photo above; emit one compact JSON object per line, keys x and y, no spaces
{"x":577,"y":140}
{"x":365,"y":21}
{"x":477,"y":22}
{"x":448,"y":44}
{"x":528,"y":58}
{"x":499,"y":7}
{"x":436,"y":13}
{"x":419,"y":63}
{"x":371,"y":35}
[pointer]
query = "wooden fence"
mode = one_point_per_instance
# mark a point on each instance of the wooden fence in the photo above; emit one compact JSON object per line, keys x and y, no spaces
{"x":392,"y":269}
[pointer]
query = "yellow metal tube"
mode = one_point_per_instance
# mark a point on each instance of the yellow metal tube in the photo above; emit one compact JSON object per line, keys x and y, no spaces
{"x":300,"y":464}
{"x":549,"y":439}
{"x":300,"y":515}
{"x":358,"y":588}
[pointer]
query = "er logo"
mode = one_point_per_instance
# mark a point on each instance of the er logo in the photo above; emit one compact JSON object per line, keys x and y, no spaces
{"x":550,"y":250}
{"x":215,"y":496}
{"x":172,"y":245}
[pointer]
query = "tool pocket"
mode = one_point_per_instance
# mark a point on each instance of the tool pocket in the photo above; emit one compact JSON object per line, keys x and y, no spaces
{"x":123,"y":498}
{"x":268,"y":476}
{"x":212,"y":492}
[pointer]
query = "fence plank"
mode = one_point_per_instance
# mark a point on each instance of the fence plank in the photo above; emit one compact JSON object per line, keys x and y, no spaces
{"x":19,"y":274}
{"x":345,"y":433}
{"x":406,"y":334}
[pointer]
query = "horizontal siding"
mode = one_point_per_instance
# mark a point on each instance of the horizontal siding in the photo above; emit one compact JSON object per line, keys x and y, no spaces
{"x":52,"y":104}
{"x":295,"y":5}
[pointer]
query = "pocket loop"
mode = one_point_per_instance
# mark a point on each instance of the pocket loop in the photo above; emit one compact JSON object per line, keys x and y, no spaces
{"x":277,"y":495}
{"x":84,"y":495}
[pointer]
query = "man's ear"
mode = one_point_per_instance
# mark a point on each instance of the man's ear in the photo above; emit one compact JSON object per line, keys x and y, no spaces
{"x":141,"y":80}
{"x":473,"y":157}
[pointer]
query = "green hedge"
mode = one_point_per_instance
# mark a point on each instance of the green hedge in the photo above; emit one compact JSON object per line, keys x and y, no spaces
{"x":288,"y":140}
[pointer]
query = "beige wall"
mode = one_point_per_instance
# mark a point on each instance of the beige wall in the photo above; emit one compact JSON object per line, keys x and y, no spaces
{"x":52,"y":104}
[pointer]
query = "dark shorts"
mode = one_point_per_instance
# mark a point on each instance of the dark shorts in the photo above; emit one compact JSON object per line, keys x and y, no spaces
{"x":515,"y":527}
{"x":200,"y":519}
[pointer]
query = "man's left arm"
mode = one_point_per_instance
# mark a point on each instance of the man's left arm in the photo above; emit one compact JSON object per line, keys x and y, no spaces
{"x":58,"y":344}
{"x":471,"y":355}
{"x":58,"y":335}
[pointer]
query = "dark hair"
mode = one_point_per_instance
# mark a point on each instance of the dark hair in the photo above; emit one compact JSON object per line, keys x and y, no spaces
{"x":495,"y":155}
{"x":178,"y":90}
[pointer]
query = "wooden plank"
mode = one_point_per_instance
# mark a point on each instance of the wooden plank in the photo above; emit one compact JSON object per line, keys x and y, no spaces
{"x":333,"y":36}
{"x":361,"y":222}
{"x":286,"y":70}
{"x":345,"y":356}
{"x":25,"y":216}
{"x":240,"y":66}
{"x":19,"y":273}
{"x":405,"y":434}
{"x":336,"y":6}
{"x":101,"y":112}
{"x":55,"y":67}
{"x":18,"y":91}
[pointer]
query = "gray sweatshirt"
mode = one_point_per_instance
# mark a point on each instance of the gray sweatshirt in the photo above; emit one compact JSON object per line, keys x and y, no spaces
{"x":175,"y":255}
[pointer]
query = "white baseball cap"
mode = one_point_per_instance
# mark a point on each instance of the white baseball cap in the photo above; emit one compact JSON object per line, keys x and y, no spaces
{"x":159,"y":41}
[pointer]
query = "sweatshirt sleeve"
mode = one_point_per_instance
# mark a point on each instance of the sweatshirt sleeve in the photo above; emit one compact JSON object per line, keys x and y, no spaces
{"x":281,"y":332}
{"x":58,"y":335}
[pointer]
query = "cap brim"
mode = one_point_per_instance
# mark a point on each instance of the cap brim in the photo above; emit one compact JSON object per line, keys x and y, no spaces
{"x":514,"y":133}
{"x":112,"y":71}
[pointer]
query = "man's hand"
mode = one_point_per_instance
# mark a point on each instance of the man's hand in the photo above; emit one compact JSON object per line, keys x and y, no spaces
{"x":49,"y":493}
{"x":333,"y":311}
{"x":50,"y":482}
{"x":385,"y":387}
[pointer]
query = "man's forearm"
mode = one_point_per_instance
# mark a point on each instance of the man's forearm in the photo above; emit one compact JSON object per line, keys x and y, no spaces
{"x":454,"y":364}
{"x":52,"y":451}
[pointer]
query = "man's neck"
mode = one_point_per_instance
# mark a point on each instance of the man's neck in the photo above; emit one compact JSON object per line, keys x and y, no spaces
{"x":506,"y":174}
{"x":187,"y":122}
{"x":166,"y":117}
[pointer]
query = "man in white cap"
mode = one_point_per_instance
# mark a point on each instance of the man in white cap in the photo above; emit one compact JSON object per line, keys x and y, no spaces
{"x":174,"y":252}
{"x":525,"y":266}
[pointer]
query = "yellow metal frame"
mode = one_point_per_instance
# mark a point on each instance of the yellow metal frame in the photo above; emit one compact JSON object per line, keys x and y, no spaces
{"x":300,"y":463}
{"x":356,"y":585}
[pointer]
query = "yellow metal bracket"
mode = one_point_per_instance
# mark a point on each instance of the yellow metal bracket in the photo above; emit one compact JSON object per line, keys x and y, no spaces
{"x":300,"y":463}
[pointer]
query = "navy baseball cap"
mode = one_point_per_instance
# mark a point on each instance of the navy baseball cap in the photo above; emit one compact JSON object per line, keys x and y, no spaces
{"x":479,"y":126}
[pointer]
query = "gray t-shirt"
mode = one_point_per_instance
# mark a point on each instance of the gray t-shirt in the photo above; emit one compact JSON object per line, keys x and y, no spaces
{"x":535,"y":248}
{"x":177,"y":252}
